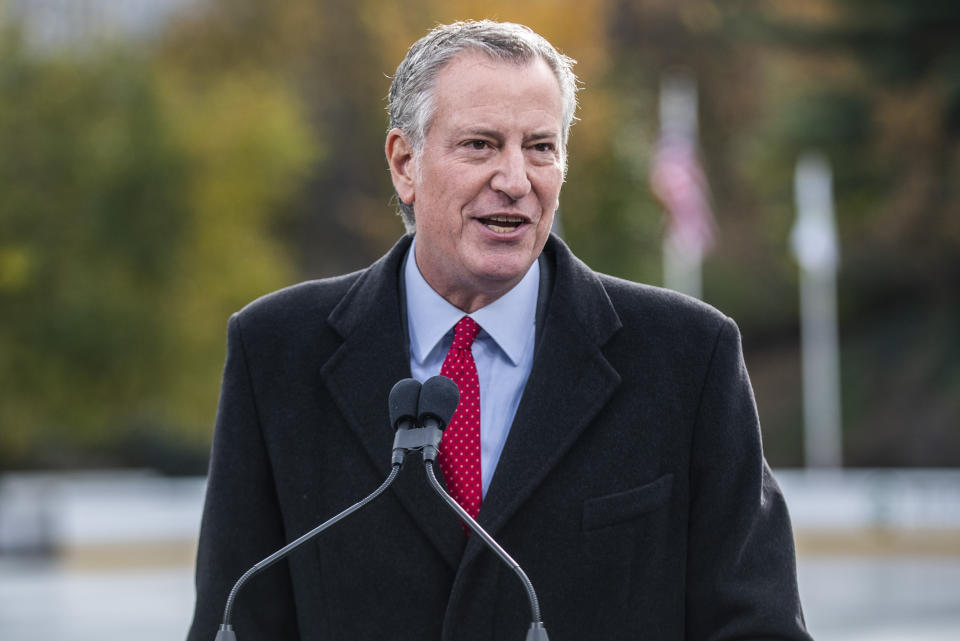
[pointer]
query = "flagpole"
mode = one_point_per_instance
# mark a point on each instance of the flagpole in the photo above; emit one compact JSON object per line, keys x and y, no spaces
{"x":682,"y":268}
{"x":814,"y":240}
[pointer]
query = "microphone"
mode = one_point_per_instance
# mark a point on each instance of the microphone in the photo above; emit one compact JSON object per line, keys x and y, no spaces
{"x":417,"y":430}
{"x":439,"y":397}
{"x":403,"y":403}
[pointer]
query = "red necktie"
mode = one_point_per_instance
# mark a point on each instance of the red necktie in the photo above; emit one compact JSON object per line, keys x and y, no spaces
{"x":459,"y":454}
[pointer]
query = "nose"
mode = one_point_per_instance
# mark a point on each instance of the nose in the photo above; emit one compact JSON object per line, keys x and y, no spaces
{"x":510,"y":176}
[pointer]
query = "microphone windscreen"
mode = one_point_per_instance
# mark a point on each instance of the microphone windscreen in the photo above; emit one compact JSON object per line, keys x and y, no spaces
{"x":404,"y":401}
{"x":438,"y":399}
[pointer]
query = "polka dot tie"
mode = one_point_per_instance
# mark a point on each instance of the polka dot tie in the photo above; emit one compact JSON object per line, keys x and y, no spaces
{"x":459,"y":454}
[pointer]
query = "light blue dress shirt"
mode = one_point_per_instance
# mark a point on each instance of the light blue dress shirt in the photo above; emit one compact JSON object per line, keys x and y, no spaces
{"x":503,"y":350}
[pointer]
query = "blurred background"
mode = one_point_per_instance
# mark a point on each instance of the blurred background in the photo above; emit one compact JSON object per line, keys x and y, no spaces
{"x":164,"y":162}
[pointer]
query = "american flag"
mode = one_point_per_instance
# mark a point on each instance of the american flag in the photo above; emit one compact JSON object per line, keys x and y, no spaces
{"x":678,"y":182}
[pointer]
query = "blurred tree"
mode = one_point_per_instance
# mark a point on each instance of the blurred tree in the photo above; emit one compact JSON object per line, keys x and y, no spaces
{"x":874,"y":85}
{"x":325,"y":54}
{"x":246,"y":151}
{"x":92,"y":225}
{"x":136,"y":216}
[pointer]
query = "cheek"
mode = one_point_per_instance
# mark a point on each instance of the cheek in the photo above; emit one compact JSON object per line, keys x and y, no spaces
{"x":448,"y":191}
{"x":550,"y":174}
{"x":549,"y":193}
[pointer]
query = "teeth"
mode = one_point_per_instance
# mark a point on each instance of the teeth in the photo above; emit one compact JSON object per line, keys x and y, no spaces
{"x":503,"y":224}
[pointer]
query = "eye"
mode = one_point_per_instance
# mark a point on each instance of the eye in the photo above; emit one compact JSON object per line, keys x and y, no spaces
{"x":477,"y":145}
{"x":544,"y":147}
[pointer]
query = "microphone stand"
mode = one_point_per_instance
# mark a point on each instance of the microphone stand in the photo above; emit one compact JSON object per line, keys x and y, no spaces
{"x":441,"y":397}
{"x":226,"y":633}
{"x":402,"y":402}
{"x":537,"y":631}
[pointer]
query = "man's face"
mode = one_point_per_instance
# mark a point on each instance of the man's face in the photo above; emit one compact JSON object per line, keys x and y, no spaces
{"x":487,"y":182}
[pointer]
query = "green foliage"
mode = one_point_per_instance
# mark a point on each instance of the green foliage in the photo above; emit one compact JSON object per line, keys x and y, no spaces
{"x":91,"y":222}
{"x":135,"y":217}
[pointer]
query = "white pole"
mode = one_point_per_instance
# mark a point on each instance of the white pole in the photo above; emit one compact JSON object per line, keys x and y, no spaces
{"x":814,"y":240}
{"x":682,"y":268}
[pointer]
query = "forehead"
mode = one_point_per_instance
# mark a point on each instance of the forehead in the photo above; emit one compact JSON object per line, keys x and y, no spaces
{"x":474,"y":82}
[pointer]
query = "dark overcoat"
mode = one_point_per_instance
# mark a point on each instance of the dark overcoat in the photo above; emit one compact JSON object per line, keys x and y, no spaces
{"x":632,"y":488}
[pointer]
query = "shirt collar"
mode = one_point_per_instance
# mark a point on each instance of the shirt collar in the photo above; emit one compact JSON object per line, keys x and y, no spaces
{"x":507,"y":320}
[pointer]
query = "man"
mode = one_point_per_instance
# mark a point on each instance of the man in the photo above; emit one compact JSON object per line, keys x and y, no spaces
{"x":616,"y":454}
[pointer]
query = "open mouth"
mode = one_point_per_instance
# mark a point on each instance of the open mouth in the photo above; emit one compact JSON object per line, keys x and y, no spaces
{"x":502,"y":224}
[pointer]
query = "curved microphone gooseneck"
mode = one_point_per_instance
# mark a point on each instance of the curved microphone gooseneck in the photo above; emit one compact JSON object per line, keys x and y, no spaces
{"x":403,"y":403}
{"x":439,"y":397}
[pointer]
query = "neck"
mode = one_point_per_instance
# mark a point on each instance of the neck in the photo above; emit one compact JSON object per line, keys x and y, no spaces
{"x":467,"y":293}
{"x":470,"y":301}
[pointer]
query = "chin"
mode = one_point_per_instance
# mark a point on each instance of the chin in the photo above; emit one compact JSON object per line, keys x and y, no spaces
{"x":500,"y":273}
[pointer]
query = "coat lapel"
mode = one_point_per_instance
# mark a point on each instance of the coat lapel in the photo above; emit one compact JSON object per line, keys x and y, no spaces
{"x":569,"y":384}
{"x":373,"y":356}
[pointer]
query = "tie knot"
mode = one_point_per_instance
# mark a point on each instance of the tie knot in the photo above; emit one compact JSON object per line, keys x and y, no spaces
{"x":464,"y":332}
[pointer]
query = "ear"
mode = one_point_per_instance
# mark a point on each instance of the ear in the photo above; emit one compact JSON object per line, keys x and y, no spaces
{"x":402,"y":166}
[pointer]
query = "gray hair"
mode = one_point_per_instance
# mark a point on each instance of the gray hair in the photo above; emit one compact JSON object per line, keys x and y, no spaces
{"x":411,"y":103}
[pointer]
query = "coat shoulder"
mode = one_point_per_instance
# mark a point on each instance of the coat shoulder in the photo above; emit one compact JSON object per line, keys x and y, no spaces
{"x":666,"y":311}
{"x":295,"y":312}
{"x":319,"y":301}
{"x":312,"y":298}
{"x":619,"y":307}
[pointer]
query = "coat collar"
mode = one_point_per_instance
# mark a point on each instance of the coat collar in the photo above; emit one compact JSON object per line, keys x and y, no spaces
{"x":373,"y":356}
{"x":570,"y":382}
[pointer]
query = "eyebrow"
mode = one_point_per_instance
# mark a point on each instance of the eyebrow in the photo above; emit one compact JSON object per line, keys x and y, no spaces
{"x":497,"y":135}
{"x":483,"y":132}
{"x":542,"y":135}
